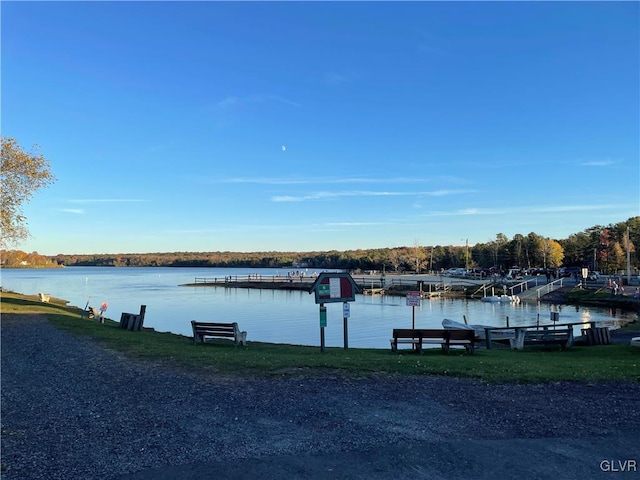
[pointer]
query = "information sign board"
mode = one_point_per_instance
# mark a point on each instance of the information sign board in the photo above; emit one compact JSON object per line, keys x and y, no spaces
{"x":334,"y":287}
{"x":413,"y":299}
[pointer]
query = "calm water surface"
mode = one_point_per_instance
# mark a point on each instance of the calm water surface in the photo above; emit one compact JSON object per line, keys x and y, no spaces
{"x":277,"y":316}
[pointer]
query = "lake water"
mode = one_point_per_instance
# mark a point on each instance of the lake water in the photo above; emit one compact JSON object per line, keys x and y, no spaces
{"x":276,"y":316}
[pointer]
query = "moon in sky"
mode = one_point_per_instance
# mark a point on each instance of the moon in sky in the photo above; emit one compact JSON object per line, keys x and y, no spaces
{"x":283,"y":148}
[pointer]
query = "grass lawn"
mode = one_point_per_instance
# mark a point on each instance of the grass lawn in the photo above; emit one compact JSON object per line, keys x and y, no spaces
{"x":606,"y":362}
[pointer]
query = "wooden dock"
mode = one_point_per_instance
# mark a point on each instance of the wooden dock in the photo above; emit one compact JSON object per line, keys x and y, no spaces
{"x":368,"y":285}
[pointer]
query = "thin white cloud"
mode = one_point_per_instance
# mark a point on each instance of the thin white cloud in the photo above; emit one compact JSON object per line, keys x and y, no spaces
{"x":360,"y":193}
{"x":335,"y":78}
{"x":573,"y":208}
{"x":105,"y":200}
{"x":355,"y":224}
{"x":443,"y":193}
{"x":234,"y":101}
{"x":286,"y":101}
{"x":266,"y":181}
{"x":599,"y":163}
{"x":524,"y":210}
{"x":466,"y":211}
{"x":333,"y":180}
{"x":75,"y":211}
{"x":289,"y":198}
{"x":228,"y":102}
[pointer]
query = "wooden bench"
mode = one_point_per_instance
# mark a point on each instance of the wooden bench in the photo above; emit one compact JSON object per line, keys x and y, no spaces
{"x":203,"y":330}
{"x":133,"y":321}
{"x":445,"y":338}
{"x":544,"y":337}
{"x":596,"y":336}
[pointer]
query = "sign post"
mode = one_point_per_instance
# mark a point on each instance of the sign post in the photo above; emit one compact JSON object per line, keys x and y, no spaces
{"x":413,"y":301}
{"x":323,"y":323}
{"x":345,"y":315}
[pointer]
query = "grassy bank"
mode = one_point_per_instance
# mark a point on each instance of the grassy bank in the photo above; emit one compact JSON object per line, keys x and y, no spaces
{"x":609,"y":362}
{"x":603,"y":298}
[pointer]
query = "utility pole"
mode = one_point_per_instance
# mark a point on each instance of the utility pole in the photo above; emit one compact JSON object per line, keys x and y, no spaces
{"x":628,"y":259}
{"x":431,"y":261}
{"x":467,"y":244}
{"x":466,"y":255}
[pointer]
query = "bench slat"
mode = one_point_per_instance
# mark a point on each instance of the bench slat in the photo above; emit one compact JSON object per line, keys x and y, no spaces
{"x":208,"y":333}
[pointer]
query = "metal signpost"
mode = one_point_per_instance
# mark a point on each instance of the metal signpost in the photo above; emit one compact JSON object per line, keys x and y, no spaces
{"x":323,"y":323}
{"x":413,"y":301}
{"x":345,"y":315}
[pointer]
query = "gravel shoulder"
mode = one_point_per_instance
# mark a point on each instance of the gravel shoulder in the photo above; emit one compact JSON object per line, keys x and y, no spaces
{"x":72,"y":409}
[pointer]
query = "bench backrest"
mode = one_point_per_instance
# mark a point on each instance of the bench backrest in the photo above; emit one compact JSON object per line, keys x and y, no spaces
{"x":460,"y":334}
{"x":211,"y":329}
{"x":432,"y":333}
{"x":451,"y":334}
{"x":406,"y":333}
{"x":547,"y":334}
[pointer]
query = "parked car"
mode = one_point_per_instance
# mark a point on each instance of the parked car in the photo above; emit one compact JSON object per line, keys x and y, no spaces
{"x":538,"y":271}
{"x":593,"y":276}
{"x":478,"y":272}
{"x":570,"y":271}
{"x":514,"y":274}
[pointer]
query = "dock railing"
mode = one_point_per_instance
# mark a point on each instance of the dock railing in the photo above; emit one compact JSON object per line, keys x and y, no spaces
{"x":255,"y":278}
{"x":531,"y":288}
{"x":550,"y":287}
{"x":364,"y":282}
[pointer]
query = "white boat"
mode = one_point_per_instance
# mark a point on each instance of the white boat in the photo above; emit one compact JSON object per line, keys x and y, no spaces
{"x":502,"y":298}
{"x":496,"y":335}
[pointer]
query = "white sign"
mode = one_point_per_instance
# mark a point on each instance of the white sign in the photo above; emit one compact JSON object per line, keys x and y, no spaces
{"x":345,"y":310}
{"x":334,"y":288}
{"x":413,"y":299}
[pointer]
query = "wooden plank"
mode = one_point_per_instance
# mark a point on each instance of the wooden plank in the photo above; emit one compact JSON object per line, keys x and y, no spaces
{"x":208,"y":333}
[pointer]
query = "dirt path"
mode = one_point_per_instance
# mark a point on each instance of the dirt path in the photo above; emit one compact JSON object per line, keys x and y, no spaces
{"x":72,"y":409}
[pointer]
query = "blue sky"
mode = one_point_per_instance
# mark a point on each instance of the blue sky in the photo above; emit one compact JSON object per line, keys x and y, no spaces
{"x":305,"y":126}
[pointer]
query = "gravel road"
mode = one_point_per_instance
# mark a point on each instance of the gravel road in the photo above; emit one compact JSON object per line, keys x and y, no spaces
{"x":72,"y":409}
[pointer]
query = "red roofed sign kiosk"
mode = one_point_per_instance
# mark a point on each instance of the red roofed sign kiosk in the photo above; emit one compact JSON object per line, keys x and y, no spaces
{"x":333,"y":287}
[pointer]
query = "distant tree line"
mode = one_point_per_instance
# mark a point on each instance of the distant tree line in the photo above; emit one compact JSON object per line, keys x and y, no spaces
{"x":602,"y":248}
{"x":20,"y":259}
